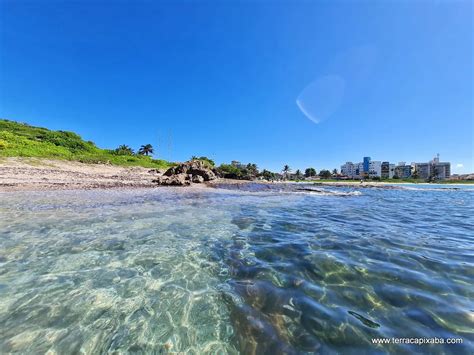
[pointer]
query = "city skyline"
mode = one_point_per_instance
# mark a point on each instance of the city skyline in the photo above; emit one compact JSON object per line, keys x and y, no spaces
{"x":369,"y":168}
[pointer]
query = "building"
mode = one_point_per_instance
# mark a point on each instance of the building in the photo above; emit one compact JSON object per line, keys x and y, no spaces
{"x":423,"y":170}
{"x":440,"y":170}
{"x":366,"y":165}
{"x":402,"y":171}
{"x":375,"y":169}
{"x":384,"y":170}
{"x":353,"y":171}
{"x":433,"y":170}
{"x":391,"y":171}
{"x":348,"y":169}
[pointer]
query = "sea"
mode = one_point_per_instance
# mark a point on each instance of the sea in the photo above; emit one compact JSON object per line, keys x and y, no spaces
{"x":238,"y":269}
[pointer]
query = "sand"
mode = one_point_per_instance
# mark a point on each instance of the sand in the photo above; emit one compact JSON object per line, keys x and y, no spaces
{"x":33,"y":174}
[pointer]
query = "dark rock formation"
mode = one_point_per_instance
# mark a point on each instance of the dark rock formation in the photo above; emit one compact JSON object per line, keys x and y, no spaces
{"x":175,"y":180}
{"x":195,"y":171}
{"x":197,"y":179}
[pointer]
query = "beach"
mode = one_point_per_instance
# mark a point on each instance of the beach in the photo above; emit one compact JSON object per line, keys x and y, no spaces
{"x":33,"y":174}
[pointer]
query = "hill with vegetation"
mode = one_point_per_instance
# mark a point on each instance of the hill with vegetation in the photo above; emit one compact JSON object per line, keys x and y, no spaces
{"x":22,"y":140}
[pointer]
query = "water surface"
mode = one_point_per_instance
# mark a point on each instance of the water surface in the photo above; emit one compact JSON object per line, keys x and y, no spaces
{"x":285,"y":269}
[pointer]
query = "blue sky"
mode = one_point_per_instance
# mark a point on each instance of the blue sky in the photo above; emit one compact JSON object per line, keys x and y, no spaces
{"x":392,"y":80}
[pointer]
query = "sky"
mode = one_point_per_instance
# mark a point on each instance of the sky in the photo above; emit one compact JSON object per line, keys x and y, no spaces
{"x":303,"y":83}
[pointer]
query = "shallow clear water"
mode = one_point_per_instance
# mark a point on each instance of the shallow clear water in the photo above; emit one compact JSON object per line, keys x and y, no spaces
{"x":252,"y":270}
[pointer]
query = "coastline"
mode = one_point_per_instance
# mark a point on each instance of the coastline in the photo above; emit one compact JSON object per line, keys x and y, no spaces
{"x":38,"y":174}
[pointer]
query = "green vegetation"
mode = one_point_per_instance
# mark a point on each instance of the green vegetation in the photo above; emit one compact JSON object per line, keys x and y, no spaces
{"x":455,"y":182}
{"x":23,"y":140}
{"x":146,"y":149}
{"x":298,"y":174}
{"x":325,"y":174}
{"x":268,"y":175}
{"x":209,"y":162}
{"x":124,"y":150}
{"x":240,"y":171}
{"x":310,"y":172}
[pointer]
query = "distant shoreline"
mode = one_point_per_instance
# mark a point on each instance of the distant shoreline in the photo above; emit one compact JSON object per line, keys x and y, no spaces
{"x":38,"y":174}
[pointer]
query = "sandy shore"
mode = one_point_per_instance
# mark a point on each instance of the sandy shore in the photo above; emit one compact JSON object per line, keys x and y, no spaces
{"x":33,"y":174}
{"x":25,"y":174}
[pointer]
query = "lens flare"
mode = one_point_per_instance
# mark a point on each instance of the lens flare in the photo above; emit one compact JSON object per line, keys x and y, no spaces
{"x":321,"y":98}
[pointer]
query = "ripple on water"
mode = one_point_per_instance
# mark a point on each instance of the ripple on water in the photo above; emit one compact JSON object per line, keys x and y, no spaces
{"x":273,"y":271}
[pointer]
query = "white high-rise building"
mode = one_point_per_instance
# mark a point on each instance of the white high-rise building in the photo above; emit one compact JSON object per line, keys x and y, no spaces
{"x":348,"y":169}
{"x":375,"y":168}
{"x":354,"y":171}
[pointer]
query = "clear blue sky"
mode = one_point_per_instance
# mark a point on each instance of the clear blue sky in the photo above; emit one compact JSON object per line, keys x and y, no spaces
{"x":389,"y":79}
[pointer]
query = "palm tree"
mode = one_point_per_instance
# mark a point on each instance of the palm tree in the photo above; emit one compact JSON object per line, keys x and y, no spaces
{"x":146,"y":149}
{"x":124,"y":150}
{"x":286,"y":170}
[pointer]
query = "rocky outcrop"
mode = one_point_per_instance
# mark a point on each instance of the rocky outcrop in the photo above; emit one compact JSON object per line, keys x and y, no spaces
{"x":197,"y":179}
{"x":175,"y":180}
{"x":195,"y":171}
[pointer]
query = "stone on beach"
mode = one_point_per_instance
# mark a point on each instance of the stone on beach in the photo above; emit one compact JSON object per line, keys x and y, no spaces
{"x":184,"y":174}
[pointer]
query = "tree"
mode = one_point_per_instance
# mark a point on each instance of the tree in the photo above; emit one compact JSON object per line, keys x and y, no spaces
{"x":252,"y":170}
{"x":434,"y":173}
{"x":146,"y":149}
{"x":286,"y":170}
{"x":298,"y":174}
{"x":229,"y":171}
{"x":124,"y":150}
{"x":325,"y":174}
{"x":415,"y":174}
{"x":309,"y":172}
{"x":267,"y":175}
{"x":334,"y":172}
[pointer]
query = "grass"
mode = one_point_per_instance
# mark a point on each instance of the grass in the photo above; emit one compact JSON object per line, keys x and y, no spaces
{"x":22,"y":140}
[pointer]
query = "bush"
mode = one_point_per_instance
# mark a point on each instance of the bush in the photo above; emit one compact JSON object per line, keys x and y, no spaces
{"x":229,"y":171}
{"x":325,"y":174}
